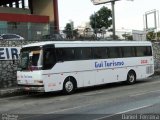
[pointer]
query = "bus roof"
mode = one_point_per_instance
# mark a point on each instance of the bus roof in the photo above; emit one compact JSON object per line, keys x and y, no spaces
{"x":60,"y":44}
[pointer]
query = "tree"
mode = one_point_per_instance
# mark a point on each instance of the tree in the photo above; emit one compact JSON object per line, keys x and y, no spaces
{"x":75,"y":33}
{"x":68,"y":31}
{"x":100,"y":19}
{"x":116,"y":37}
{"x":127,"y":36}
{"x":150,"y":35}
{"x":153,"y":36}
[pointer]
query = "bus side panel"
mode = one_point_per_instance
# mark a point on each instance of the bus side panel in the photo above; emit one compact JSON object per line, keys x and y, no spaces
{"x":119,"y":73}
{"x":82,"y":71}
{"x":88,"y":78}
{"x":105,"y":76}
{"x":53,"y":82}
{"x":111,"y":75}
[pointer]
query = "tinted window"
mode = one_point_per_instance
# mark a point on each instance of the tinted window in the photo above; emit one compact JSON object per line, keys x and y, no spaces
{"x":69,"y":54}
{"x":65,"y":54}
{"x":49,"y":58}
{"x":144,"y":51}
{"x":128,"y":51}
{"x":78,"y":54}
{"x":148,"y":51}
{"x":13,"y":36}
{"x":83,"y":53}
{"x":59,"y":54}
{"x":86,"y":53}
{"x":115,"y":52}
{"x":100,"y":53}
{"x":10,"y":36}
{"x":5,"y":36}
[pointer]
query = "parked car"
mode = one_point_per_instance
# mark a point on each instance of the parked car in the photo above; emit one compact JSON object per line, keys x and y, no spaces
{"x":52,"y":37}
{"x":11,"y":37}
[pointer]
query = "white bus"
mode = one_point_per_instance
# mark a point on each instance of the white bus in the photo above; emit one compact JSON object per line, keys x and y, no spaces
{"x":54,"y":66}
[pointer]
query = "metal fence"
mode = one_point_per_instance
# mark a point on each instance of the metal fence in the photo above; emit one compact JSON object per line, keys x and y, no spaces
{"x":45,"y":31}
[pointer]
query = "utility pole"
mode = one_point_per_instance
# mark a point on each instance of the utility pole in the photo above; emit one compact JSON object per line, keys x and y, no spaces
{"x":113,"y":20}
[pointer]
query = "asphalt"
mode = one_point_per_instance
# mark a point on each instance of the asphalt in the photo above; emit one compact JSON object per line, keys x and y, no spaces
{"x":17,"y":91}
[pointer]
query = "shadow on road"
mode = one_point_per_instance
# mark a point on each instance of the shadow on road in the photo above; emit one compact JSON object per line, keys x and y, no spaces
{"x":82,"y":90}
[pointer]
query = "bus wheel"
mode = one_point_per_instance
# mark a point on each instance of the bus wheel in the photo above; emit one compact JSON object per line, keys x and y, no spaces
{"x":69,"y":86}
{"x":131,"y":78}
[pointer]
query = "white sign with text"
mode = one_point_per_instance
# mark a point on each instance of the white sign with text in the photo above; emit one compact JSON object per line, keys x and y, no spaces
{"x":9,"y":53}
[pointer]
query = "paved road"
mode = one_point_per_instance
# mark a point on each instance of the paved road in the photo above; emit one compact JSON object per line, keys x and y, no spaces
{"x":111,"y":101}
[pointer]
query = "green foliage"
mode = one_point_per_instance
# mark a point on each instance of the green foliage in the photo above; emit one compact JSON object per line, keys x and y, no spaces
{"x":116,"y":37}
{"x":102,"y":18}
{"x":127,"y":36}
{"x":70,"y":33}
{"x":153,"y":36}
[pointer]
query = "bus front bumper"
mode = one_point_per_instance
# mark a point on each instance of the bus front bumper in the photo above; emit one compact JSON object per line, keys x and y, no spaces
{"x":32,"y":88}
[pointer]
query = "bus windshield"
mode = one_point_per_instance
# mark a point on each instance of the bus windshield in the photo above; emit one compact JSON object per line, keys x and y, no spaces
{"x":36,"y":58}
{"x":31,"y":59}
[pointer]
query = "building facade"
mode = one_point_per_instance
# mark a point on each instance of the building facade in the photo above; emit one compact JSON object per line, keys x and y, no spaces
{"x":29,"y":18}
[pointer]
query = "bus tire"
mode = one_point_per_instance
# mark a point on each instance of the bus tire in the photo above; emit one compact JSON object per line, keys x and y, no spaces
{"x":69,"y":85}
{"x":131,"y":77}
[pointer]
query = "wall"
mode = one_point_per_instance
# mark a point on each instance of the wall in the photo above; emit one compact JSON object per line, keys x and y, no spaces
{"x":156,"y":52}
{"x":43,"y":7}
{"x":8,"y":69}
{"x":14,"y":10}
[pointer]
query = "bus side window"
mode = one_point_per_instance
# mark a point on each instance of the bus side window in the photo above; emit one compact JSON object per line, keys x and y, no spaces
{"x":86,"y":53}
{"x":69,"y":54}
{"x":49,"y":58}
{"x":100,"y":53}
{"x":78,"y":54}
{"x":115,"y":52}
{"x":143,"y":51}
{"x":128,"y":51}
{"x":65,"y":54}
{"x":148,"y":51}
{"x":59,"y":55}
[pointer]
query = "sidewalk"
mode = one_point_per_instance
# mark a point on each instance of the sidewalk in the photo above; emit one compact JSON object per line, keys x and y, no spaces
{"x":7,"y":92}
